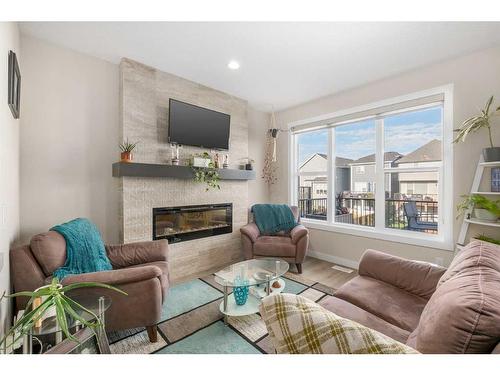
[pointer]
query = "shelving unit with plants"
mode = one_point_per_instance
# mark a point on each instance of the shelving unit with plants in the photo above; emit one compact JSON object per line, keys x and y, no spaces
{"x":480,"y":207}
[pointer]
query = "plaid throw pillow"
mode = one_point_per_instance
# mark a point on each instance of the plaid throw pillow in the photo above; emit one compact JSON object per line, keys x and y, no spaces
{"x":297,"y":325}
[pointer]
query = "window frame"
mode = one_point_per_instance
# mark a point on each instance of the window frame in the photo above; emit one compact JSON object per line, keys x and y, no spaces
{"x":444,"y":238}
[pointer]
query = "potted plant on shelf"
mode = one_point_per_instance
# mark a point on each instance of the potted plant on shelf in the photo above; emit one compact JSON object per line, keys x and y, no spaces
{"x":484,"y":238}
{"x":53,"y":296}
{"x":484,"y":208}
{"x":476,"y":123}
{"x":204,"y":171}
{"x":126,"y":151}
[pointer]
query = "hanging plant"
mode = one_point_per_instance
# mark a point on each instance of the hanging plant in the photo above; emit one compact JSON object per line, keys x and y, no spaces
{"x":270,"y":167}
{"x":208,"y":175}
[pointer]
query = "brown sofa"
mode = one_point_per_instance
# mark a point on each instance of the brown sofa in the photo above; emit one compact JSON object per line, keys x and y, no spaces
{"x":140,"y":269}
{"x":429,"y":308}
{"x":291,"y":246}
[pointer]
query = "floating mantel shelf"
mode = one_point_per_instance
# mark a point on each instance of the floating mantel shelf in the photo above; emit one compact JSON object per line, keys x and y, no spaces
{"x":173,"y":171}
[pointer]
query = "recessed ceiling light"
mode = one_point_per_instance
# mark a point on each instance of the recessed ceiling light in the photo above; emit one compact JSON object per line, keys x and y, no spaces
{"x":233,"y":65}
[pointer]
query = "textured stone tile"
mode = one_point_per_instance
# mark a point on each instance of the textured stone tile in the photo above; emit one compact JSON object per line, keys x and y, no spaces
{"x":145,"y":94}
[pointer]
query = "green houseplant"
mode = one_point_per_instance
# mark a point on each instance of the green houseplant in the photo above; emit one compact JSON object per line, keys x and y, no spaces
{"x":126,"y":149}
{"x":484,"y":238}
{"x":484,"y":208}
{"x":476,"y":123}
{"x":209,"y":174}
{"x":53,"y":296}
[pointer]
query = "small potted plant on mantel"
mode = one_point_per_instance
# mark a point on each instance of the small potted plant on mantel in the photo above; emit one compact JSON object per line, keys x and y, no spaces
{"x":126,"y":151}
{"x":473,"y":124}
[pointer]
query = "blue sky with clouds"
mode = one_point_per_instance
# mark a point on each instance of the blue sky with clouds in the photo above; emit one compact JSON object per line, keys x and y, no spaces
{"x":403,"y":133}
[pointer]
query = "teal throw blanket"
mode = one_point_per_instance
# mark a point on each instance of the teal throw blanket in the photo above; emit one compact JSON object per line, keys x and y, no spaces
{"x":85,"y":250}
{"x":273,"y":218}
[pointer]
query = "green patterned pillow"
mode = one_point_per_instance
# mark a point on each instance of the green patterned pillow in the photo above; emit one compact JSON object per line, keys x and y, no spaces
{"x":297,"y":325}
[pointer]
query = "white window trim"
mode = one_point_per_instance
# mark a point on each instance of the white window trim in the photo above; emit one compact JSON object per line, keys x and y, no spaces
{"x":443,"y":240}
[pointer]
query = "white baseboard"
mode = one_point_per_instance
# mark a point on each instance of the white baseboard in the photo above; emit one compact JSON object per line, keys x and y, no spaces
{"x":334,"y":259}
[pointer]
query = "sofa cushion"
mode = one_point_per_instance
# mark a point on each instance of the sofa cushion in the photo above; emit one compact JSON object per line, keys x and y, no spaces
{"x":388,"y":302}
{"x":415,"y":277}
{"x":297,"y":325}
{"x":463,"y":315}
{"x":49,"y":249}
{"x":275,"y":246}
{"x":349,"y":311}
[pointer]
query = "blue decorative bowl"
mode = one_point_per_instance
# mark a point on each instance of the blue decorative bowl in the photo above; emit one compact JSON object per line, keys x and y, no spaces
{"x":240,"y":292}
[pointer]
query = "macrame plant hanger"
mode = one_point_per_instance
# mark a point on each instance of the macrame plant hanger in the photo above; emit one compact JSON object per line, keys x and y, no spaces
{"x":271,"y":157}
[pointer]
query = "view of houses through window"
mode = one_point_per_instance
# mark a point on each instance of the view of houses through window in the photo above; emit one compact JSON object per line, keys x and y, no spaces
{"x":411,"y":174}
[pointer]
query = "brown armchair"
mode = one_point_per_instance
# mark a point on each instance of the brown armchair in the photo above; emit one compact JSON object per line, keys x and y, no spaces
{"x":140,"y":269}
{"x":291,"y":246}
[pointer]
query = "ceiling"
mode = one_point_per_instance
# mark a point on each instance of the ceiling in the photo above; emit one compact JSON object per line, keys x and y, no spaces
{"x":282,"y":64}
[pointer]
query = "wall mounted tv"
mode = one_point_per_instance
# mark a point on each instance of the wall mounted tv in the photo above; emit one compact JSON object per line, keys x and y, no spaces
{"x":196,"y":126}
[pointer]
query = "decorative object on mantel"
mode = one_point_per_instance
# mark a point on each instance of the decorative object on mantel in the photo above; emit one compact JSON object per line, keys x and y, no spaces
{"x":202,"y":161}
{"x":53,"y":295}
{"x":216,"y":160}
{"x":175,"y":153}
{"x":206,"y":173}
{"x":14,"y":86}
{"x":225,"y":165}
{"x":484,"y":209}
{"x":473,"y":124}
{"x":248,"y":164}
{"x":495,"y":180}
{"x":126,"y":151}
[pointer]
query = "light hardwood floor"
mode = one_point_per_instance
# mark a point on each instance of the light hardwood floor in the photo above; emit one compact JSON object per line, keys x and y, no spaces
{"x":322,"y":272}
{"x":313,"y":269}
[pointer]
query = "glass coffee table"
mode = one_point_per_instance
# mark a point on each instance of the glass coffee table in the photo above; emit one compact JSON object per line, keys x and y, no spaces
{"x":258,"y":275}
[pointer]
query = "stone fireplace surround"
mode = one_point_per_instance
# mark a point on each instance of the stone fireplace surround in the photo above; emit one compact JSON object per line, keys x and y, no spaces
{"x":144,"y":98}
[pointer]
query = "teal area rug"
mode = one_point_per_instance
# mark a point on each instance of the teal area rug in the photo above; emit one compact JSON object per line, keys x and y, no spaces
{"x":217,"y":338}
{"x":187,"y":296}
{"x":193,"y":324}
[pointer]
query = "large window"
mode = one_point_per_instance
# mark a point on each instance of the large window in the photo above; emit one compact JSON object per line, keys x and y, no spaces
{"x":381,"y":171}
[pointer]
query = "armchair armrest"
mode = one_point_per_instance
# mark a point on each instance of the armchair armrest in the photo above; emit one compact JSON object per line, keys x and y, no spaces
{"x":415,"y":277}
{"x":137,"y":253}
{"x":251,"y":231}
{"x":298,"y":232}
{"x":115,"y":277}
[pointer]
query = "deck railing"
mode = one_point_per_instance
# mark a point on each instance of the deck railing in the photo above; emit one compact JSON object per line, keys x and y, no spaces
{"x":361,"y":211}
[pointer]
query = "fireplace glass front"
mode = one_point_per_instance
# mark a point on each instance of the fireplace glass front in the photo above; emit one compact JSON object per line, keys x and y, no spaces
{"x":191,"y":222}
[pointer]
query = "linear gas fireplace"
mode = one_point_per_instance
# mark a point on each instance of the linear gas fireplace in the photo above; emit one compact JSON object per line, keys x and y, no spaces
{"x":186,"y":223}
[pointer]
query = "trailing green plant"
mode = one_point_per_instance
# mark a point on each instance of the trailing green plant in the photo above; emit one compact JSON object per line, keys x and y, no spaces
{"x":478,"y":201}
{"x":208,"y":175}
{"x":484,"y":238}
{"x":127,"y":146}
{"x":53,"y":295}
{"x":476,"y":123}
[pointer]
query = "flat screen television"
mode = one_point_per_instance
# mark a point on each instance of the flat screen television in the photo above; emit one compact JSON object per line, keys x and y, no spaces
{"x":191,"y":125}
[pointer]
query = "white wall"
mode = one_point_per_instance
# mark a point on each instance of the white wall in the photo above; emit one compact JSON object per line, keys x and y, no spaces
{"x":69,"y":139}
{"x":258,"y":123}
{"x":9,"y":165}
{"x":475,"y":78}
